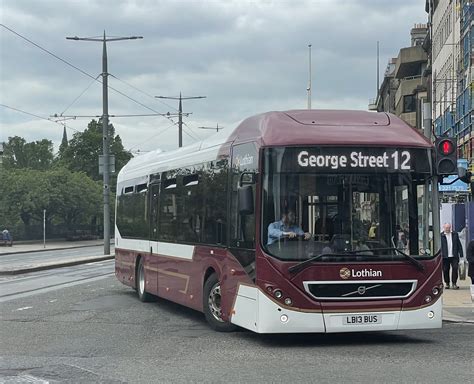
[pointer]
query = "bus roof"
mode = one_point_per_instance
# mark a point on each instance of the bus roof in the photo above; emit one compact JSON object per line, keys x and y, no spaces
{"x":329,"y":127}
{"x":287,"y":128}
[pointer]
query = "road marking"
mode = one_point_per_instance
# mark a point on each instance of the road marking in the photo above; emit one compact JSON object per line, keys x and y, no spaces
{"x":24,"y":379}
{"x":22,"y":309}
{"x":20,"y":295}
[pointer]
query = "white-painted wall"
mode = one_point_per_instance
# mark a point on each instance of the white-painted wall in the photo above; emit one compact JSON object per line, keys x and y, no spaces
{"x":445,"y":50}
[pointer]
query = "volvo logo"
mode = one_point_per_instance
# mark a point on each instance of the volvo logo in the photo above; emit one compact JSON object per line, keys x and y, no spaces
{"x":345,"y":273}
{"x":361,"y":290}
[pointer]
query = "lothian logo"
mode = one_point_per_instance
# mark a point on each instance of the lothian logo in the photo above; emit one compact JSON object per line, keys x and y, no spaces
{"x":345,"y":273}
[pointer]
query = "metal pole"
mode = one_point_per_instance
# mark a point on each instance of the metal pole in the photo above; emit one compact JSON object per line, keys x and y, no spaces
{"x":105,"y":148}
{"x":309,"y":82}
{"x":377,"y":93}
{"x":105,"y":130}
{"x":44,"y":228}
{"x":216,"y":128}
{"x":180,"y":113}
{"x":427,"y":130}
{"x":180,"y":122}
{"x":426,"y":191}
{"x":436,"y":216}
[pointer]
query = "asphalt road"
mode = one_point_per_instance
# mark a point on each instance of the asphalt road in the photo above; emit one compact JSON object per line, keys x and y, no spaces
{"x":96,"y":331}
{"x":19,"y":286}
{"x":29,"y":258}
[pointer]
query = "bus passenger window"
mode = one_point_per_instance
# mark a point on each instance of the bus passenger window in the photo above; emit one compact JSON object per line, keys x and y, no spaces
{"x":168,"y":211}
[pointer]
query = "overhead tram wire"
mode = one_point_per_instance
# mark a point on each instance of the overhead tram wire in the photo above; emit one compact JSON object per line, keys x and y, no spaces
{"x":38,"y":117}
{"x":48,"y":52}
{"x":78,"y":97}
{"x":153,"y":136}
{"x":80,"y":70}
{"x":141,"y":91}
{"x":95,"y":79}
{"x":191,"y":130}
{"x":143,"y":105}
{"x":192,"y":137}
{"x":115,"y":116}
{"x":92,"y":77}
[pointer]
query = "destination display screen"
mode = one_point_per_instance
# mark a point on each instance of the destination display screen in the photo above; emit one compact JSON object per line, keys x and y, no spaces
{"x":350,"y":159}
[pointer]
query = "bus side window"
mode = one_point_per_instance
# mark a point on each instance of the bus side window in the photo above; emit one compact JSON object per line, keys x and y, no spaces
{"x":169,"y":201}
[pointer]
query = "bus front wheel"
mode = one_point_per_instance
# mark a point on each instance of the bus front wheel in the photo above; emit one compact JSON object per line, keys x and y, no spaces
{"x":140,"y":282}
{"x":212,"y":305}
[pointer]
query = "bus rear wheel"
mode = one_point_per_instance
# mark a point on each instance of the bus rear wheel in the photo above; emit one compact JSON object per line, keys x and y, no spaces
{"x":140,"y":282}
{"x":212,"y":305}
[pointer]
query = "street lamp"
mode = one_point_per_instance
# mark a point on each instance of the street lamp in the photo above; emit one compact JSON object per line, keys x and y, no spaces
{"x":309,"y":81}
{"x":105,"y":131}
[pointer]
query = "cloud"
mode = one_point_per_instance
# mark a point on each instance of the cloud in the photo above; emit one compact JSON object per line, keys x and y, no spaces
{"x":247,"y":57}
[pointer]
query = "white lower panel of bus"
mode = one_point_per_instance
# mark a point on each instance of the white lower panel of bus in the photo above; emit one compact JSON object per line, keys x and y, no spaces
{"x":427,"y":317}
{"x":255,"y":311}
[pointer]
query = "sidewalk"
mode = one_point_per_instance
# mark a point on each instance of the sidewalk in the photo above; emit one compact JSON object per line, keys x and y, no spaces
{"x":38,"y":246}
{"x":457,"y":304}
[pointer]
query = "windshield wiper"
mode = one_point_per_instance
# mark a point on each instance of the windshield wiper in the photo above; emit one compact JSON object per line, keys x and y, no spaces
{"x":412,"y":260}
{"x":300,"y":266}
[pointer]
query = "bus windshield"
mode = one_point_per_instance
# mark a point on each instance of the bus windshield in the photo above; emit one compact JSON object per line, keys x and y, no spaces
{"x":366,"y":214}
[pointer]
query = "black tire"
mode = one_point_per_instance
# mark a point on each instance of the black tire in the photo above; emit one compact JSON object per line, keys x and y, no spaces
{"x":211,"y":305}
{"x":140,"y":283}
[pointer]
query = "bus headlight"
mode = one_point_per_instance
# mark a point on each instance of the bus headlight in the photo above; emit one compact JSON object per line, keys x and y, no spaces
{"x":428,"y":299}
{"x":278,"y":294}
{"x":288,"y":301}
{"x":435,"y":291}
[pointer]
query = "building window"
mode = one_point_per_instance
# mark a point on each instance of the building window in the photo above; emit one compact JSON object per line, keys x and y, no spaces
{"x":409,"y":103}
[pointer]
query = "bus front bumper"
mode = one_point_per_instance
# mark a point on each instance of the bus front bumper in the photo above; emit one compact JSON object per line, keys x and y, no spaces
{"x":255,"y":311}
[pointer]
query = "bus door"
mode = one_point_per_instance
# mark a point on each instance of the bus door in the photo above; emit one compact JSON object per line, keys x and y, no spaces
{"x":242,"y":228}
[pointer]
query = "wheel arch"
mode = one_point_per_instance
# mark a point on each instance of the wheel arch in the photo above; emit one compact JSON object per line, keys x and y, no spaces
{"x":209,"y":271}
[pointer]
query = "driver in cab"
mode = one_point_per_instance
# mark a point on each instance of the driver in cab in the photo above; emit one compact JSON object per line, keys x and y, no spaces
{"x":285,"y":228}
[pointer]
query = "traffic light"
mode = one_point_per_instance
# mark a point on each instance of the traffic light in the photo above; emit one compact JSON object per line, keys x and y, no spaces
{"x":446,"y":156}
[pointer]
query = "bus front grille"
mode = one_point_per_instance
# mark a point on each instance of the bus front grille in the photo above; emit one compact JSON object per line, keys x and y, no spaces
{"x":360,"y":290}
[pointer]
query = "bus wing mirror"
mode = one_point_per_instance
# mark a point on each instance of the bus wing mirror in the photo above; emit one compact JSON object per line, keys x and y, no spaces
{"x":247,"y":178}
{"x":245,"y":194}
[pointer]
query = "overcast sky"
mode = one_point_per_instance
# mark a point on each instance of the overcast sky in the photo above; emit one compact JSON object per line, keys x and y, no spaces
{"x":246,"y":57}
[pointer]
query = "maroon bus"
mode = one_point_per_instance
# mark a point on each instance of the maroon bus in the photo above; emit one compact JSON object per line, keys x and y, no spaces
{"x":297,"y":221}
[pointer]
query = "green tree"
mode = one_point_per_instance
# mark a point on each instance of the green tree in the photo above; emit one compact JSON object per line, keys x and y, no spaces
{"x":69,"y":198}
{"x":83,"y":150}
{"x":17,"y":154}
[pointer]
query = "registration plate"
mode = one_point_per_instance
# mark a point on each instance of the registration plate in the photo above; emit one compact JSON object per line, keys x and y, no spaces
{"x":362,"y":319}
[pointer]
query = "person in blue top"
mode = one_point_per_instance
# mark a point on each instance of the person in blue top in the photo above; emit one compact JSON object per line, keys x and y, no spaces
{"x":285,"y":228}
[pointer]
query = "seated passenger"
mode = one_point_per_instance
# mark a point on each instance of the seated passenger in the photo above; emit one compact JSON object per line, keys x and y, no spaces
{"x":285,"y":228}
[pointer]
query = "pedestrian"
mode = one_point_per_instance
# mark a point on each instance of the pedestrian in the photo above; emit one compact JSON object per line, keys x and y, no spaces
{"x":470,"y":260}
{"x":7,"y":237}
{"x":451,"y":250}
